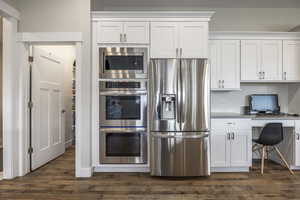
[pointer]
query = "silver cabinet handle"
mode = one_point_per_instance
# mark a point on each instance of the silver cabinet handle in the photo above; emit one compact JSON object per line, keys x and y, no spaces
{"x":177,"y":52}
{"x":263,"y":75}
{"x":223,"y":83}
{"x":125,"y":37}
{"x":180,"y":52}
{"x":219,"y":83}
{"x":228,"y":136}
{"x":232,"y":136}
{"x":297,"y":136}
{"x":120,"y":37}
{"x":284,"y":75}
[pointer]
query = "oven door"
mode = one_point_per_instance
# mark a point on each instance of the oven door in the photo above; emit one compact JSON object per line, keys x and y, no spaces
{"x":116,"y":62}
{"x":123,"y":109}
{"x":123,"y":147}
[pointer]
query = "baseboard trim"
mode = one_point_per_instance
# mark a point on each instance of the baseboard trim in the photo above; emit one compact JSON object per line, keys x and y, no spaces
{"x":68,"y":143}
{"x":229,"y":169}
{"x":84,"y":172}
{"x":122,"y":169}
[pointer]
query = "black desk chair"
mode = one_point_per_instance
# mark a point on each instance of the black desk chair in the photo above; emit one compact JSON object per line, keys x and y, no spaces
{"x":271,"y":135}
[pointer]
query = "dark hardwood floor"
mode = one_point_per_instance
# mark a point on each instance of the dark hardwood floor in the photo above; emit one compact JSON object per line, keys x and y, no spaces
{"x":56,"y":181}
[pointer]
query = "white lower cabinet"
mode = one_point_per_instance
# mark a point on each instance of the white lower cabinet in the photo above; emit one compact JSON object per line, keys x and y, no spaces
{"x":231,"y":145}
{"x":297,"y":144}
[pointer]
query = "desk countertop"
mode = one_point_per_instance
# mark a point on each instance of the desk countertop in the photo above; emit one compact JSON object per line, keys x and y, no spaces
{"x":253,"y":117}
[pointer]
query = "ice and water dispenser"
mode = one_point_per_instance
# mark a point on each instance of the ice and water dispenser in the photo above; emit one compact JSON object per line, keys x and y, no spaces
{"x":168,"y":107}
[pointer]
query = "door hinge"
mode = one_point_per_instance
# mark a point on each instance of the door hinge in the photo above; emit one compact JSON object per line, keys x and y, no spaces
{"x":30,"y":150}
{"x":30,"y":105}
{"x":30,"y":59}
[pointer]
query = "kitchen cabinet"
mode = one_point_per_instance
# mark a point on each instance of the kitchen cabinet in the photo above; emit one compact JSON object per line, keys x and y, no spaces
{"x":261,"y":60}
{"x":296,"y":137}
{"x":231,"y":143}
{"x":224,"y":58}
{"x":179,"y":39}
{"x":291,"y":60}
{"x":123,"y":32}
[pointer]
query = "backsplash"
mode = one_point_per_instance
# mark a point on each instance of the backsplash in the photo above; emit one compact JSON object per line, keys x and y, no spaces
{"x":233,"y":101}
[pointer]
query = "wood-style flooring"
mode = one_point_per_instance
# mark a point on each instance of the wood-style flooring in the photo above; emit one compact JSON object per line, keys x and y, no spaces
{"x":56,"y":181}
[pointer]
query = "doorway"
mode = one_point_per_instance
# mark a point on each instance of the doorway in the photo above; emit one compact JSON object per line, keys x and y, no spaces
{"x":51,"y":102}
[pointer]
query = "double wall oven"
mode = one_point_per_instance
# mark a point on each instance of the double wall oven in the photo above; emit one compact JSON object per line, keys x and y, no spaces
{"x":123,"y":111}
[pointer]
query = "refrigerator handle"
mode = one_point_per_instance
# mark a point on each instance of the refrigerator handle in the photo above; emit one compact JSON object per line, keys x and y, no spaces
{"x":178,"y":94}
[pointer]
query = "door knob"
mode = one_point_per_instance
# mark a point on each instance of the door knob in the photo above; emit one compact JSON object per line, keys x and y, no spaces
{"x":63,"y":111}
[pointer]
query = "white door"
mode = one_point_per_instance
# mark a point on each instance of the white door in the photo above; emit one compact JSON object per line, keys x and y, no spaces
{"x":271,"y":59}
{"x":48,"y":140}
{"x":250,"y":60}
{"x":193,"y":39}
{"x":220,"y":147}
{"x":110,"y":32}
{"x":291,"y":60}
{"x":136,"y":32}
{"x":240,"y":146}
{"x":214,"y":59}
{"x":164,"y":40}
{"x":230,"y":62}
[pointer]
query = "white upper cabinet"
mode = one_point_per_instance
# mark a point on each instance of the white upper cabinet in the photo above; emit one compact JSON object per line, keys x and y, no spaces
{"x":271,"y":59}
{"x":250,"y":60}
{"x":123,"y":32}
{"x":136,"y":32}
{"x":164,"y":40}
{"x":193,"y":39}
{"x":179,"y":39}
{"x":109,"y":32}
{"x":291,"y":60}
{"x":225,"y":64}
{"x":261,"y":60}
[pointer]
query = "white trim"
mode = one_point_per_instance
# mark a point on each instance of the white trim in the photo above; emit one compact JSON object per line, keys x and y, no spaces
{"x":229,"y":169}
{"x":241,"y":35}
{"x":122,"y":169}
{"x":50,"y":37}
{"x":84,"y":172}
{"x":68,"y":143}
{"x":152,"y":15}
{"x":7,"y":11}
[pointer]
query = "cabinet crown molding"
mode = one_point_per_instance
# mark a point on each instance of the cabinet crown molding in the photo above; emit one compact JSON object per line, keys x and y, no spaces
{"x":251,"y":35}
{"x":152,"y":15}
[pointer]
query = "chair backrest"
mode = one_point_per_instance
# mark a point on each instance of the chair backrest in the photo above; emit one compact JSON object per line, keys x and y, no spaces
{"x":271,"y":134}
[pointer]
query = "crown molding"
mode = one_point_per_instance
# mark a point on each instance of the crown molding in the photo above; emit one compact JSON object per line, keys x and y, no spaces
{"x":152,"y":15}
{"x":243,"y":35}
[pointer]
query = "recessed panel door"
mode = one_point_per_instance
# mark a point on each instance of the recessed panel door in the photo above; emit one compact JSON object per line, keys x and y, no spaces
{"x":48,"y":140}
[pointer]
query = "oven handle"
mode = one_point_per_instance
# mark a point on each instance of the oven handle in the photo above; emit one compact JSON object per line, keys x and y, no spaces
{"x":124,"y":130}
{"x":121,"y":93}
{"x":180,"y":136}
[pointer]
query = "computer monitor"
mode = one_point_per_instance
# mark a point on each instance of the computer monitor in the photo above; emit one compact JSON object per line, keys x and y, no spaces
{"x":264,"y":103}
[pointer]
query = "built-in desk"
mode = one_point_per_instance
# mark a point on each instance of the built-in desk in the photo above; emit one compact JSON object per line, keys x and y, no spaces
{"x":231,"y":140}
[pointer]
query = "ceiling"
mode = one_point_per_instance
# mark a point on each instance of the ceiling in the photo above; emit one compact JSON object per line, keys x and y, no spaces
{"x":100,"y":4}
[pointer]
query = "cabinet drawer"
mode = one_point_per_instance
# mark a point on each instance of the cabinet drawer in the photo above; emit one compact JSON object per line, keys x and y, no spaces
{"x":231,"y":124}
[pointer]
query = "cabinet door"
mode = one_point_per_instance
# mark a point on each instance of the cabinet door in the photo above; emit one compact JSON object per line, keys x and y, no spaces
{"x":164,"y":39}
{"x":291,"y":60}
{"x":193,"y":39}
{"x":214,"y":59}
{"x":110,"y":32}
{"x":136,"y":32}
{"x":220,"y":149}
{"x":240,"y":151}
{"x":271,"y":59}
{"x":297,"y":143}
{"x":250,"y":60}
{"x":230,"y":64}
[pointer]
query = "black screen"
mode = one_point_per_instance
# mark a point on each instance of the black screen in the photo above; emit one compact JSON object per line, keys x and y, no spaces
{"x":124,"y":63}
{"x":264,"y":103}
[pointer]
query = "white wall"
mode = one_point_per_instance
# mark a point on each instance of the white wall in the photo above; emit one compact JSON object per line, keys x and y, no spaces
{"x":67,"y":54}
{"x":233,"y":101}
{"x":227,"y":18}
{"x":66,"y":16}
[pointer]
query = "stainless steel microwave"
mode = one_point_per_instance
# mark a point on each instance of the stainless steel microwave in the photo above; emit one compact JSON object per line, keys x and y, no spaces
{"x":123,"y":62}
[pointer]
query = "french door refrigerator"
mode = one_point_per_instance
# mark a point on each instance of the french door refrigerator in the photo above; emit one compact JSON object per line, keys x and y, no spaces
{"x":179,"y":117}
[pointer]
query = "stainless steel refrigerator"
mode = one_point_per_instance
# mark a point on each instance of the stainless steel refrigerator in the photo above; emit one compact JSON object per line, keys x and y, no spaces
{"x":179,"y":117}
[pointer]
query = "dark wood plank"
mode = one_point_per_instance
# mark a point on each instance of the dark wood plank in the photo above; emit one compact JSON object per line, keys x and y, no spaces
{"x":56,"y":181}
